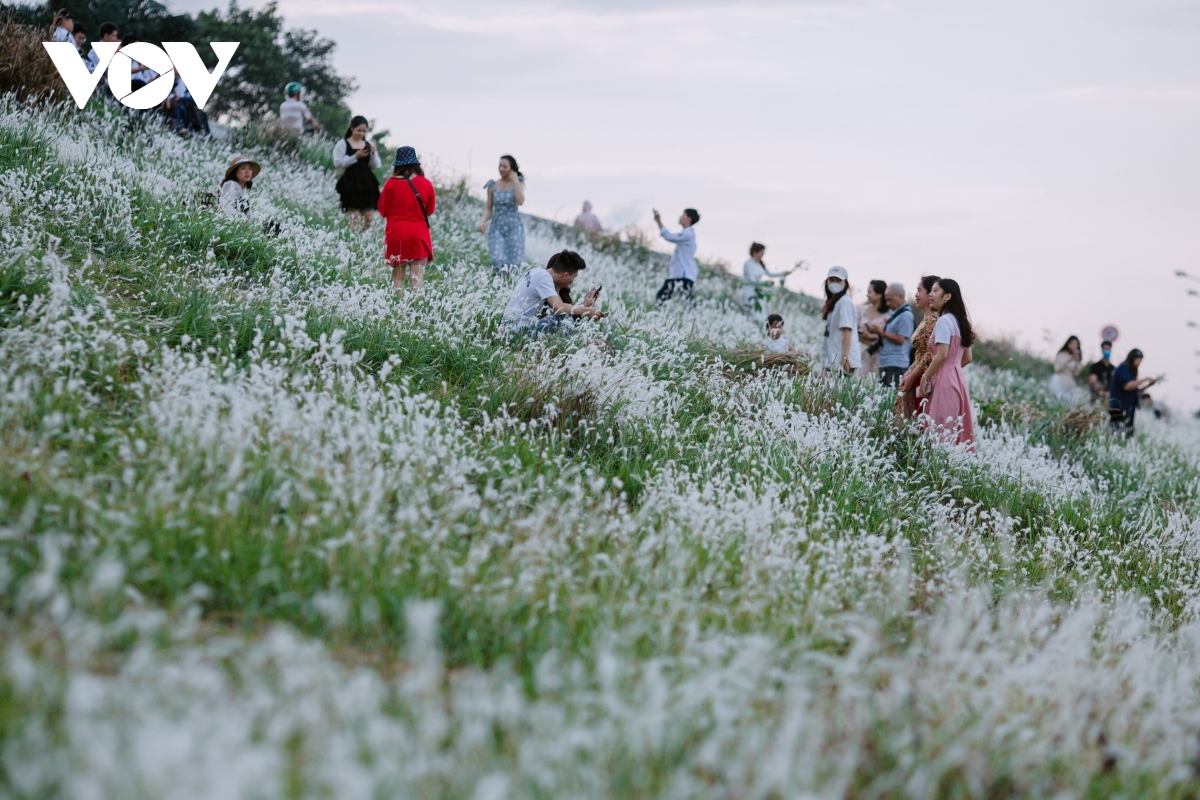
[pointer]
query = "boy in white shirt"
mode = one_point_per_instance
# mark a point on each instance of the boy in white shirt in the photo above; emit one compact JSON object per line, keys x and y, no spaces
{"x":682,"y":273}
{"x":64,"y":26}
{"x":108,"y":33}
{"x":547,"y":292}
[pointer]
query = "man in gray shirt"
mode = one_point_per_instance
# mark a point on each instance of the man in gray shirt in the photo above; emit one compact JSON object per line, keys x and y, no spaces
{"x":895,"y":337}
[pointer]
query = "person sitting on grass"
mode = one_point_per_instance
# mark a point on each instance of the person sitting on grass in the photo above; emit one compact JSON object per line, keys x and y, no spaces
{"x":775,"y":341}
{"x":234,"y":197}
{"x":541,"y":302}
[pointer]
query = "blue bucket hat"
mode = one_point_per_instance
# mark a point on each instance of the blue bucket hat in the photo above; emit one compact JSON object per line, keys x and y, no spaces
{"x":405,"y":156}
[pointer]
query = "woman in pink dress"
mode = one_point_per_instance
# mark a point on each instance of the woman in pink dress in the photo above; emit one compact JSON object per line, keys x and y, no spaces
{"x":949,"y":409}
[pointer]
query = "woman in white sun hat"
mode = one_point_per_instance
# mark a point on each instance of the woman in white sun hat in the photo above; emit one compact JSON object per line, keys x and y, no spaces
{"x":234,"y":197}
{"x":839,"y":349}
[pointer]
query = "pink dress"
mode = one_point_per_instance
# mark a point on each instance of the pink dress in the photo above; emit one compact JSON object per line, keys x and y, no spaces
{"x":949,"y":401}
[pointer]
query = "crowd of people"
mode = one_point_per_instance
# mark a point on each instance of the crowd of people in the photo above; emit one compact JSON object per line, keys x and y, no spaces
{"x":179,"y":108}
{"x":919,"y":352}
{"x":1117,"y":387}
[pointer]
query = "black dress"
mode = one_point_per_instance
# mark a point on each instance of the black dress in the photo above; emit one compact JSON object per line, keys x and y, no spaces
{"x":358,"y":186}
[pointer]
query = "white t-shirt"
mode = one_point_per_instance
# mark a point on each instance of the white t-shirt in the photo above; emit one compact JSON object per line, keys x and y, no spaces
{"x":843,"y":315}
{"x":293,"y":114}
{"x":533,"y":288}
{"x":945,"y":328}
{"x":779,"y":345}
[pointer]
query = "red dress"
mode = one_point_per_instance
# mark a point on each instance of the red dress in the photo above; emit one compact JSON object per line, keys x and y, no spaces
{"x":407,"y":235}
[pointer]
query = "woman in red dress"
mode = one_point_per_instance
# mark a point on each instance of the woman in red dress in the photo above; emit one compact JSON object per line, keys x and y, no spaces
{"x":406,"y":202}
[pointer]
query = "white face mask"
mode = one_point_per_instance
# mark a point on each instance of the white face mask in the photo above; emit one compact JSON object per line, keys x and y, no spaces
{"x":836,"y":286}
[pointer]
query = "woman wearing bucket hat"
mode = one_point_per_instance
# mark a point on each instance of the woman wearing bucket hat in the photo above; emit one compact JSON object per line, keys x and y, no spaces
{"x":839,"y":349}
{"x":406,"y":202}
{"x":234,"y":197}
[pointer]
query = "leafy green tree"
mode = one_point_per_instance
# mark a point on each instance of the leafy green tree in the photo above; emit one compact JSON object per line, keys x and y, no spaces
{"x":150,"y":20}
{"x":267,"y":60}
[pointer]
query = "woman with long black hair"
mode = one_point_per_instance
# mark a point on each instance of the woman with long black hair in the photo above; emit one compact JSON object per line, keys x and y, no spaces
{"x":1066,"y":367}
{"x":358,"y":187}
{"x":839,"y":350}
{"x":870,"y":312}
{"x":1125,"y":392}
{"x":949,"y":409}
{"x":506,"y":234}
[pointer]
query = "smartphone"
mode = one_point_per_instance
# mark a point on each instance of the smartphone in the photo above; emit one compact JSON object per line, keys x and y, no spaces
{"x":599,"y":289}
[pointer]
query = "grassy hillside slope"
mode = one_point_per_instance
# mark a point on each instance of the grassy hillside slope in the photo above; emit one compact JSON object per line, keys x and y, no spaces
{"x":269,"y":530}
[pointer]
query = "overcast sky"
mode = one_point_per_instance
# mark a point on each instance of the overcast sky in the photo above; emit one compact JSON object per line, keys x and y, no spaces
{"x":1044,"y":154}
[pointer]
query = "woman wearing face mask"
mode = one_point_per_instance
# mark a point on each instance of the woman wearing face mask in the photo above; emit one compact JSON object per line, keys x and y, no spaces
{"x":1125,"y":393}
{"x":1100,"y":374}
{"x":839,"y":350}
{"x":943,"y":383}
{"x":908,"y":404}
{"x":1066,"y":367}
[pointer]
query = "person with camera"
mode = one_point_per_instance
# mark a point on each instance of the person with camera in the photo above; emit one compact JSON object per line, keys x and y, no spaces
{"x":893,"y":344}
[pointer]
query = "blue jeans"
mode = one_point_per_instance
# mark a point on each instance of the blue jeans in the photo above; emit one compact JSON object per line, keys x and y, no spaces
{"x":545,"y":326}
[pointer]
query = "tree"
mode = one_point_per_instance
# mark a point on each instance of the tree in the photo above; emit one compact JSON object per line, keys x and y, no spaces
{"x":150,"y":20}
{"x":268,"y":59}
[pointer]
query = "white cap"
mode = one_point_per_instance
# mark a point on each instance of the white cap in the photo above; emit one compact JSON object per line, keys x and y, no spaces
{"x":837,"y":272}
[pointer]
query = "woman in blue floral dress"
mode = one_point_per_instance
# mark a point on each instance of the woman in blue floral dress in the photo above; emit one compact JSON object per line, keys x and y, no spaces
{"x":506,"y":236}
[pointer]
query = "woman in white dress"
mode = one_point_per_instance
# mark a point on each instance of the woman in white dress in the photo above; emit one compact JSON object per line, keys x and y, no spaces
{"x":1066,"y":367}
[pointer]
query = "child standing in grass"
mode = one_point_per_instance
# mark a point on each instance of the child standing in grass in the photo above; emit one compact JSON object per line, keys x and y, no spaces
{"x":406,"y":202}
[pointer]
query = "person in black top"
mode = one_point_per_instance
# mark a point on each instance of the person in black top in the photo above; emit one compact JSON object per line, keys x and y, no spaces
{"x":1100,"y":373}
{"x":1124,"y":394}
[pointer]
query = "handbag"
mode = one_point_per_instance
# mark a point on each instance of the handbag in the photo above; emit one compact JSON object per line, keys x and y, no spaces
{"x":420,"y":202}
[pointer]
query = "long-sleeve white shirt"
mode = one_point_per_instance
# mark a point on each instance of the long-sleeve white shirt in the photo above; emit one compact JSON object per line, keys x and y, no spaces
{"x":342,"y":158}
{"x":753,"y":272}
{"x":683,"y":260}
{"x":233,"y":200}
